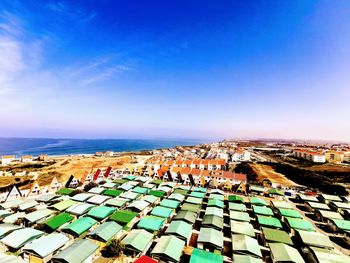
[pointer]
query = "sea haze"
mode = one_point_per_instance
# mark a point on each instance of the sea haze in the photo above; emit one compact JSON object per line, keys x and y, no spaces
{"x":36,"y":146}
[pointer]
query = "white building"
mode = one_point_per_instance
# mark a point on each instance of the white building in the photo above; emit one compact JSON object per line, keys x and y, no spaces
{"x":315,"y":157}
{"x":5,"y":160}
{"x":240,"y":155}
{"x":26,"y":159}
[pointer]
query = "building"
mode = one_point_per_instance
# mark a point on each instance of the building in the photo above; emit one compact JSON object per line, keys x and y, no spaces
{"x":334,"y":157}
{"x":43,"y":157}
{"x":346,"y":157}
{"x":316,"y":157}
{"x":240,"y":155}
{"x":26,"y":159}
{"x":7,"y":159}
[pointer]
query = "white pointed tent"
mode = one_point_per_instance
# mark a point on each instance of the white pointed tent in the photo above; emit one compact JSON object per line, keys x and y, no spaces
{"x":13,"y":193}
{"x":35,"y":189}
{"x":54,"y":185}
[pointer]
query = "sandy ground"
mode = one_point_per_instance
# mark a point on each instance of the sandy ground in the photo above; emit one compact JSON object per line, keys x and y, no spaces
{"x":266,"y":172}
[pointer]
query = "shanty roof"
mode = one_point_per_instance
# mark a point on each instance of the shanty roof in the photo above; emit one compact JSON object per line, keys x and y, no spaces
{"x":180,"y":229}
{"x":27,"y":204}
{"x":79,"y":209}
{"x":210,"y":210}
{"x":162,"y":211}
{"x":65,"y":191}
{"x":235,"y":198}
{"x":98,"y":199}
{"x":216,"y":203}
{"x":187,"y":216}
{"x":112,"y":192}
{"x":138,"y":205}
{"x":96,"y":190}
{"x":269,"y":221}
{"x":150,"y":199}
{"x":257,"y":201}
{"x":198,"y":194}
{"x":153,"y":223}
{"x":244,"y":228}
{"x":77,"y":252}
{"x":101,"y":212}
{"x":289,"y":213}
{"x":169,"y":247}
{"x":63,"y":205}
{"x":213,"y":221}
{"x":315,"y":239}
{"x":140,"y":190}
{"x":211,"y":236}
{"x":239,"y":216}
{"x":281,"y":204}
{"x":342,"y":224}
{"x":315,"y":205}
{"x":177,"y":197}
{"x":46,"y":245}
{"x":173,"y":204}
{"x":20,"y":237}
{"x":246,"y":259}
{"x":202,"y":256}
{"x":7,"y":228}
{"x":59,"y":220}
{"x":283,"y":253}
{"x":300,"y":224}
{"x":331,"y":197}
{"x":138,"y":239}
{"x":262,"y":210}
{"x":123,"y":217}
{"x":328,"y":256}
{"x":105,"y":231}
{"x":117,"y":202}
{"x":130,"y":195}
{"x":79,"y":226}
{"x":330,"y":214}
{"x":82,"y":197}
{"x":276,"y":236}
{"x":38,"y":215}
{"x":237,"y":207}
{"x":246,"y":245}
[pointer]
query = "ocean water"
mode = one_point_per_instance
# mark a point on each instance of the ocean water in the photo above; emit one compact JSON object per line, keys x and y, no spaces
{"x":36,"y":146}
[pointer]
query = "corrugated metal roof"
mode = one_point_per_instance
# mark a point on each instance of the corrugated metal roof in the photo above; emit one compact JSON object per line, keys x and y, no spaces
{"x":101,"y":212}
{"x":138,"y":239}
{"x":79,"y":209}
{"x":98,"y":199}
{"x":38,"y":215}
{"x":59,"y":220}
{"x":105,"y":231}
{"x":179,"y":228}
{"x":78,"y":251}
{"x":153,"y":223}
{"x":276,"y":236}
{"x":244,"y":228}
{"x":169,"y":247}
{"x":63,"y":205}
{"x":20,"y":237}
{"x":284,"y":253}
{"x":211,"y":236}
{"x":46,"y":245}
{"x":246,"y":245}
{"x":79,"y":226}
{"x":202,"y":256}
{"x":162,"y":211}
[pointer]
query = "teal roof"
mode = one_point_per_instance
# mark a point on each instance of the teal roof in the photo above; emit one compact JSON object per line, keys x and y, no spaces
{"x":198,"y":194}
{"x":202,"y":256}
{"x":269,"y":221}
{"x":106,"y":231}
{"x":217,"y":196}
{"x":140,"y":190}
{"x":216,"y":202}
{"x":257,"y":201}
{"x":211,"y":236}
{"x":211,"y":210}
{"x":245,"y":228}
{"x":79,"y":226}
{"x":262,"y":210}
{"x":342,"y":224}
{"x":170,"y":203}
{"x":200,"y":189}
{"x":152,"y":223}
{"x":138,"y":239}
{"x":162,"y":211}
{"x":239,"y":216}
{"x":300,"y":224}
{"x":289,"y":213}
{"x":243,"y":244}
{"x":180,"y":229}
{"x":101,"y":212}
{"x":237,"y":207}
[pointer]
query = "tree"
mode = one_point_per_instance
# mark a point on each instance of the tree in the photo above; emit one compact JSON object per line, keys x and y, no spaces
{"x":90,"y":186}
{"x":76,"y":191}
{"x":114,"y":249}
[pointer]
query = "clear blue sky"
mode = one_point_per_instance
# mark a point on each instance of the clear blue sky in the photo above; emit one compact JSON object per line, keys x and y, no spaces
{"x":179,"y":69}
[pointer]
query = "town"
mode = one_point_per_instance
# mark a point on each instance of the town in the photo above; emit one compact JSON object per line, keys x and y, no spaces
{"x":217,"y":202}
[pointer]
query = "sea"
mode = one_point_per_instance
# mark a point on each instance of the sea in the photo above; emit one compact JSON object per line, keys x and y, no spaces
{"x":37,"y":146}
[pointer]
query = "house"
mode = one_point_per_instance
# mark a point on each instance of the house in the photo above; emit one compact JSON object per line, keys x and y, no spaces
{"x":43,"y":157}
{"x":26,"y":159}
{"x":85,"y":248}
{"x":204,"y":164}
{"x":7,"y":159}
{"x":240,"y":155}
{"x":334,"y":157}
{"x":316,"y":157}
{"x":109,"y":154}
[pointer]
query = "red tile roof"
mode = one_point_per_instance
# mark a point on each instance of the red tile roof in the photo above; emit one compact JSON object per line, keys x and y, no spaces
{"x":186,"y":170}
{"x":195,"y":171}
{"x":145,"y":259}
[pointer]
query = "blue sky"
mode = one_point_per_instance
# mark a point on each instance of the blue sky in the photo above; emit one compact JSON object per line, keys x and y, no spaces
{"x":176,"y":69}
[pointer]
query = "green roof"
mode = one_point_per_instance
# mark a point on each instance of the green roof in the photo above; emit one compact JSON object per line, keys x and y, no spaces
{"x":235,"y":198}
{"x":106,"y":231}
{"x":153,"y":223}
{"x":237,"y":207}
{"x":77,"y":252}
{"x":170,"y":203}
{"x":120,"y":181}
{"x":58,"y":220}
{"x":101,"y":212}
{"x":187,"y":216}
{"x":157,"y":193}
{"x":180,"y":229}
{"x":202,"y":256}
{"x":123,"y":217}
{"x":315,"y":239}
{"x":191,"y":207}
{"x":112,"y":192}
{"x":213,"y":221}
{"x":276,"y":236}
{"x":239,"y":216}
{"x":169,"y":247}
{"x":150,"y":199}
{"x":138,"y":239}
{"x":275,"y":191}
{"x":65,"y":191}
{"x":212,"y":237}
{"x":117,"y":202}
{"x":246,"y":245}
{"x":289,"y":213}
{"x":200,"y":189}
{"x":216,"y":202}
{"x":140,"y":190}
{"x":342,"y":224}
{"x":157,"y":181}
{"x":130,"y":177}
{"x":79,"y":226}
{"x":283,"y":253}
{"x":162,"y":211}
{"x":262,"y":210}
{"x":257,"y":201}
{"x":198,"y":194}
{"x":245,"y":228}
{"x":63,"y":205}
{"x":300,"y":224}
{"x":269,"y":221}
{"x":181,"y":191}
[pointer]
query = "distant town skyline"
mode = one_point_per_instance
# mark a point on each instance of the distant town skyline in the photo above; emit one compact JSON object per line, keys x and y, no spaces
{"x":175,"y":69}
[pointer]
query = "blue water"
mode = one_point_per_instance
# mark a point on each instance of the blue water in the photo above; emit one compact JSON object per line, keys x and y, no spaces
{"x":36,"y":146}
